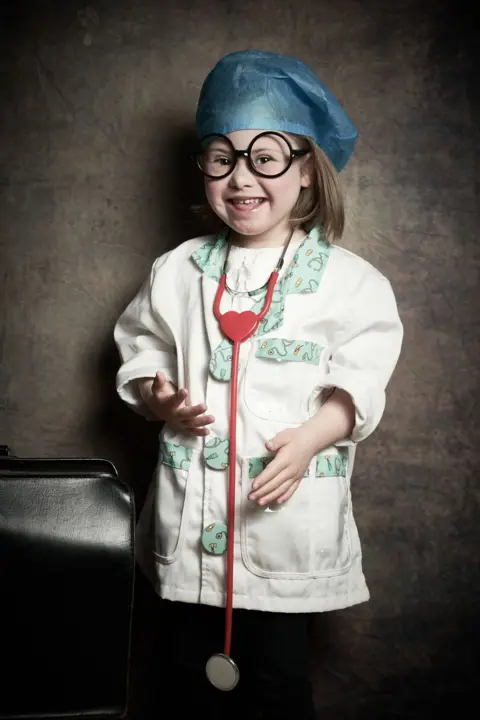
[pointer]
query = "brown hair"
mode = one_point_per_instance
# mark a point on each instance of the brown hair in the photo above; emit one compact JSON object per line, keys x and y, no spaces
{"x":319,"y":204}
{"x":322,"y":202}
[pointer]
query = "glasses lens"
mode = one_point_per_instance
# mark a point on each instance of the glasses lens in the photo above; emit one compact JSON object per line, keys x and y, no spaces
{"x":217,"y":158}
{"x":270,"y":155}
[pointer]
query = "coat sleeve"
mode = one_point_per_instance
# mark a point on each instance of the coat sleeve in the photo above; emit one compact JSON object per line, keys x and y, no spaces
{"x":366,"y":357}
{"x":145,"y":340}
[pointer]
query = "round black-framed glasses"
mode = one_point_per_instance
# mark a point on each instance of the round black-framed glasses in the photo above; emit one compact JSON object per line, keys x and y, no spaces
{"x":267,"y":156}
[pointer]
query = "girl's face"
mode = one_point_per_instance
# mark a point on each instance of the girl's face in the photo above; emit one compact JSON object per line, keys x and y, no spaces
{"x":256,"y":208}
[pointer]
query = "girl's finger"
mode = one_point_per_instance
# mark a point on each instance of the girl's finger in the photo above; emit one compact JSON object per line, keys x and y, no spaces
{"x":273,"y":469}
{"x":286,"y":496}
{"x":200,"y":421}
{"x":198,"y":432}
{"x":158,"y":381}
{"x":178,"y":398}
{"x":278,"y":492}
{"x":187,"y":413}
{"x":264,"y":490}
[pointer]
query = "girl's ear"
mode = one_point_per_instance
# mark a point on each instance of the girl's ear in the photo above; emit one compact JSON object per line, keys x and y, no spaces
{"x":307,"y":171}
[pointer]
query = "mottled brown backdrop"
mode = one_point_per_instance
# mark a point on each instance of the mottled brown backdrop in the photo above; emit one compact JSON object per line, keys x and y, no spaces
{"x":97,"y":109}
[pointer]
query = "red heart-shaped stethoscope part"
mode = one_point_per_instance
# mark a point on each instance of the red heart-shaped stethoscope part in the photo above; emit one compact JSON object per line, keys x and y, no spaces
{"x":239,"y":326}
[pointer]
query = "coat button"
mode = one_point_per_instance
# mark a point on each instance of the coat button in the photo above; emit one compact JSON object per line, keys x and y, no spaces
{"x":214,"y":538}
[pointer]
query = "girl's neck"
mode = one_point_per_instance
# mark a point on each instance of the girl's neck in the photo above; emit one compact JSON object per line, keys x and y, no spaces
{"x":273,"y":239}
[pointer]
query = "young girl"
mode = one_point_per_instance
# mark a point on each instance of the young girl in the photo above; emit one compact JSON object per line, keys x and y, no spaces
{"x":311,"y":385}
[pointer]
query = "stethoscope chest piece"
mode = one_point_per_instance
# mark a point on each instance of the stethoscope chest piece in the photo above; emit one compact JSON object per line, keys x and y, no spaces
{"x":222,"y":672}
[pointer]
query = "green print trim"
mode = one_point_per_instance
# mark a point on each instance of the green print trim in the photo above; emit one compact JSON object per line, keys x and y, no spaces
{"x":210,"y":257}
{"x":175,"y":456}
{"x":221,"y":361}
{"x":289,"y":350}
{"x":332,"y":462}
{"x":214,"y":538}
{"x":215,"y":453}
{"x":308,"y":265}
{"x":274,"y":317}
{"x":258,"y":464}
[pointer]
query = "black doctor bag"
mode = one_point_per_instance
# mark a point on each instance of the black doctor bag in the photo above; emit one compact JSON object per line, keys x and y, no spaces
{"x":66,"y":574}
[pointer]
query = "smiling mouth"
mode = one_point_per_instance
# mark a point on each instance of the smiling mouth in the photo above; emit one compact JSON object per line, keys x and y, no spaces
{"x":246,"y":201}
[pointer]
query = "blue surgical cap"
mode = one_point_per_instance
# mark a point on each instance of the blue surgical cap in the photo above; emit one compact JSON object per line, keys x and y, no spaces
{"x":255,"y":90}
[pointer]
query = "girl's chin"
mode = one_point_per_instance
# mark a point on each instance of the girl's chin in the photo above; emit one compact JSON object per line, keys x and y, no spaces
{"x":249,"y":226}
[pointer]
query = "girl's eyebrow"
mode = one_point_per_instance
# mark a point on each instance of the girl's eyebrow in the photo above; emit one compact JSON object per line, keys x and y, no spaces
{"x":213,"y":147}
{"x":267,"y":149}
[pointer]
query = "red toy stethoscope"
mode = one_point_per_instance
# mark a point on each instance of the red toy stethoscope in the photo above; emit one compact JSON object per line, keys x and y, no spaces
{"x":221,"y":670}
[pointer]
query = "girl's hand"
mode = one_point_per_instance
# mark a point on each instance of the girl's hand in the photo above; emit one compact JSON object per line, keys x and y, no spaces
{"x":174,"y":407}
{"x":295,"y":449}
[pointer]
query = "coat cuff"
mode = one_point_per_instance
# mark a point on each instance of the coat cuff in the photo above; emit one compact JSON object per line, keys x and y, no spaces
{"x":368,"y":400}
{"x":145,"y":364}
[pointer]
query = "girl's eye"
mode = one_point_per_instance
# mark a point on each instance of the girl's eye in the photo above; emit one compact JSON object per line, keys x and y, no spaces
{"x":221,"y":160}
{"x":263,"y":159}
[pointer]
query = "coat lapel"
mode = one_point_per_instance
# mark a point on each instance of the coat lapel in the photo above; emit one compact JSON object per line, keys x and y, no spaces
{"x":209,"y":290}
{"x":210,"y":259}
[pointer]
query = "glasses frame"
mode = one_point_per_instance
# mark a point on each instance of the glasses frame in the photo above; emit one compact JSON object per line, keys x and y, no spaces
{"x":247,"y":154}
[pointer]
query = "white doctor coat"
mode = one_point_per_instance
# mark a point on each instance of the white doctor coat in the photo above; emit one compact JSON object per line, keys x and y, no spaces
{"x":333,"y":323}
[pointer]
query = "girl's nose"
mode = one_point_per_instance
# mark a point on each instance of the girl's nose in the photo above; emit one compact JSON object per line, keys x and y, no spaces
{"x":242,"y":175}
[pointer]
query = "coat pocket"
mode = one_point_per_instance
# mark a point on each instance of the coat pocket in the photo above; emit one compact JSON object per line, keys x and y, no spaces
{"x":308,"y":536}
{"x":171,"y":500}
{"x":279,"y":378}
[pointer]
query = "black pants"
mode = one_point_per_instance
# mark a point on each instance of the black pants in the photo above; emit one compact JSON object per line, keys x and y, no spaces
{"x":270,"y":649}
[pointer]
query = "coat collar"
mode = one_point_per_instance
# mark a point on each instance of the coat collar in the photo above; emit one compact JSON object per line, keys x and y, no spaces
{"x":303,"y":275}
